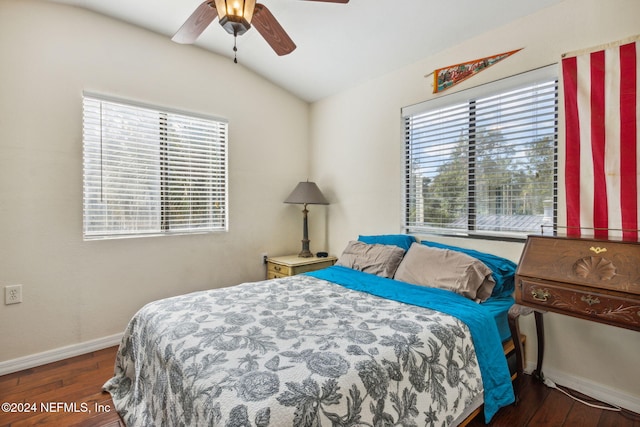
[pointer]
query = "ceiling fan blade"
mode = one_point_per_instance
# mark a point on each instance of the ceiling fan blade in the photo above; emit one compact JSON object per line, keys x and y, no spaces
{"x":196,"y":23}
{"x":332,"y":1}
{"x":272,"y":31}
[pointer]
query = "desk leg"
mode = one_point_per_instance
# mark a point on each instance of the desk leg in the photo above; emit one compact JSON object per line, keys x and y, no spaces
{"x":540,"y":335}
{"x":514,"y":314}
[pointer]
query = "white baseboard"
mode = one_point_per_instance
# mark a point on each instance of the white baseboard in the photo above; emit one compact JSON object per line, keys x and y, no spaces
{"x":589,"y":388}
{"x":38,"y":359}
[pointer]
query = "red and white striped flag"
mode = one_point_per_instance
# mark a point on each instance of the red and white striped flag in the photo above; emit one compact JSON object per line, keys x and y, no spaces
{"x":602,"y":109}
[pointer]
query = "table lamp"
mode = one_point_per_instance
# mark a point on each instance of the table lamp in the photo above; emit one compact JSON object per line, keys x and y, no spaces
{"x":306,"y":193}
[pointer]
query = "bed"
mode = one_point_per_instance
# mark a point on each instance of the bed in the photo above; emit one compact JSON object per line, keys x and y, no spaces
{"x":340,"y":346}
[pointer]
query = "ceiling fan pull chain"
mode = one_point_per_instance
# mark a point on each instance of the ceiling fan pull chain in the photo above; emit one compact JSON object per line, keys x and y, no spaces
{"x":235,"y":48}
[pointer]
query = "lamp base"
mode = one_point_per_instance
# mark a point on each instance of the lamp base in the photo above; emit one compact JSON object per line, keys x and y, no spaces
{"x":305,"y":252}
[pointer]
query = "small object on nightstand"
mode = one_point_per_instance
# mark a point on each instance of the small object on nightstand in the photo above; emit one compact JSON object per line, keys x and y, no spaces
{"x":290,"y":265}
{"x":322,"y":254}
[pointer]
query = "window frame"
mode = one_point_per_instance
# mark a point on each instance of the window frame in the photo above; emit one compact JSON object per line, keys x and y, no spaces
{"x":546,"y":73}
{"x":204,"y":180}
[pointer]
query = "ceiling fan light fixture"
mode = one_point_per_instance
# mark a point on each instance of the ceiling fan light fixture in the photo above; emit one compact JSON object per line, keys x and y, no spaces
{"x":235,"y":15}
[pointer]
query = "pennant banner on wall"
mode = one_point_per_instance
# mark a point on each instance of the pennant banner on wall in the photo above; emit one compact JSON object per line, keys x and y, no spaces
{"x":601,"y":115}
{"x":444,"y":78}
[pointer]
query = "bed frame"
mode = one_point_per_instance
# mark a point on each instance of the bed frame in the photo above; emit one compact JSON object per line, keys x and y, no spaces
{"x":509,"y":352}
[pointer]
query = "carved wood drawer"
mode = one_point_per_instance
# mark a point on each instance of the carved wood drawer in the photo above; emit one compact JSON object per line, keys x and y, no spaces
{"x":617,"y":310}
{"x":609,"y":265}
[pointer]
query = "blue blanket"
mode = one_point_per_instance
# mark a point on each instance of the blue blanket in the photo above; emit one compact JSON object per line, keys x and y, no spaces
{"x":498,"y":391}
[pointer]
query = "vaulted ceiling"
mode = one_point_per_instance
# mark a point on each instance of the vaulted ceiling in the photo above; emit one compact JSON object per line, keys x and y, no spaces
{"x":338,"y":45}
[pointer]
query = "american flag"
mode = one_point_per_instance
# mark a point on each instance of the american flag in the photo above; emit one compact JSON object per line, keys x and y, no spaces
{"x":601,"y":115}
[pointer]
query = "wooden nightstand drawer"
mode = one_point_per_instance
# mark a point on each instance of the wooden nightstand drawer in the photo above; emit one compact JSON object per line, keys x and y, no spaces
{"x":565,"y":299}
{"x":278,"y":270}
{"x":291,"y":265}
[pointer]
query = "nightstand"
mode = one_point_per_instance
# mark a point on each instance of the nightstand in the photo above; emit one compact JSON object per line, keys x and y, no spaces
{"x":290,"y":265}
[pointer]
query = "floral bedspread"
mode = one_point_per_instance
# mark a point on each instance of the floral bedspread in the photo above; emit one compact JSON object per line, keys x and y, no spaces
{"x":295,"y":351}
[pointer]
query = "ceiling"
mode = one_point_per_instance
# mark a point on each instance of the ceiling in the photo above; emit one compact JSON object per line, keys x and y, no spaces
{"x":339,"y":45}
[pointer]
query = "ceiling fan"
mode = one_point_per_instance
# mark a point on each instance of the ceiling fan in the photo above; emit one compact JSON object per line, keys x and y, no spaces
{"x":236,"y":17}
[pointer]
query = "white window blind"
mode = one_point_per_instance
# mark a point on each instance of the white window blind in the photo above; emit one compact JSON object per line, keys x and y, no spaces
{"x":149,"y":171}
{"x":484,"y":161}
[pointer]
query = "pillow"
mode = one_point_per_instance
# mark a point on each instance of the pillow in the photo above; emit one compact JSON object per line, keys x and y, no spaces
{"x":381,"y":260}
{"x":446,"y":269}
{"x":403,"y":241}
{"x":503,"y":270}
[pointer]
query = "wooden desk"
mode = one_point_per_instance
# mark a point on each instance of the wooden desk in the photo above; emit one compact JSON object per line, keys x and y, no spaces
{"x":591,"y":279}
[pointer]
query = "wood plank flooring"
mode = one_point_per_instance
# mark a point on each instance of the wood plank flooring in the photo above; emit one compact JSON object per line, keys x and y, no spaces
{"x":540,"y":406}
{"x":78,"y":381}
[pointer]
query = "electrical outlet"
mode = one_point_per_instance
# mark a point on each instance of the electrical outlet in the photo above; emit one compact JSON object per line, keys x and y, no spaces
{"x":264,"y":257}
{"x":12,"y":294}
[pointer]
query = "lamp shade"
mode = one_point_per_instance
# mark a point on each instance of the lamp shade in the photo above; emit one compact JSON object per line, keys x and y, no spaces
{"x":235,"y":15}
{"x":236,"y":8}
{"x":307,"y":193}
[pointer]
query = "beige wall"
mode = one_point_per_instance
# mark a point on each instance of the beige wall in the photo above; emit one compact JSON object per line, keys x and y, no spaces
{"x":357,"y":152}
{"x":76,"y":291}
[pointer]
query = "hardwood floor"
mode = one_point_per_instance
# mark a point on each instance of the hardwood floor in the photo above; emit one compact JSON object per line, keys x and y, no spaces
{"x":77,"y":383}
{"x":540,"y":406}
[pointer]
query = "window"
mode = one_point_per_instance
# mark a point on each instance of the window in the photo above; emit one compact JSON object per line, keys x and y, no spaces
{"x":484,"y":161}
{"x":149,"y":171}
